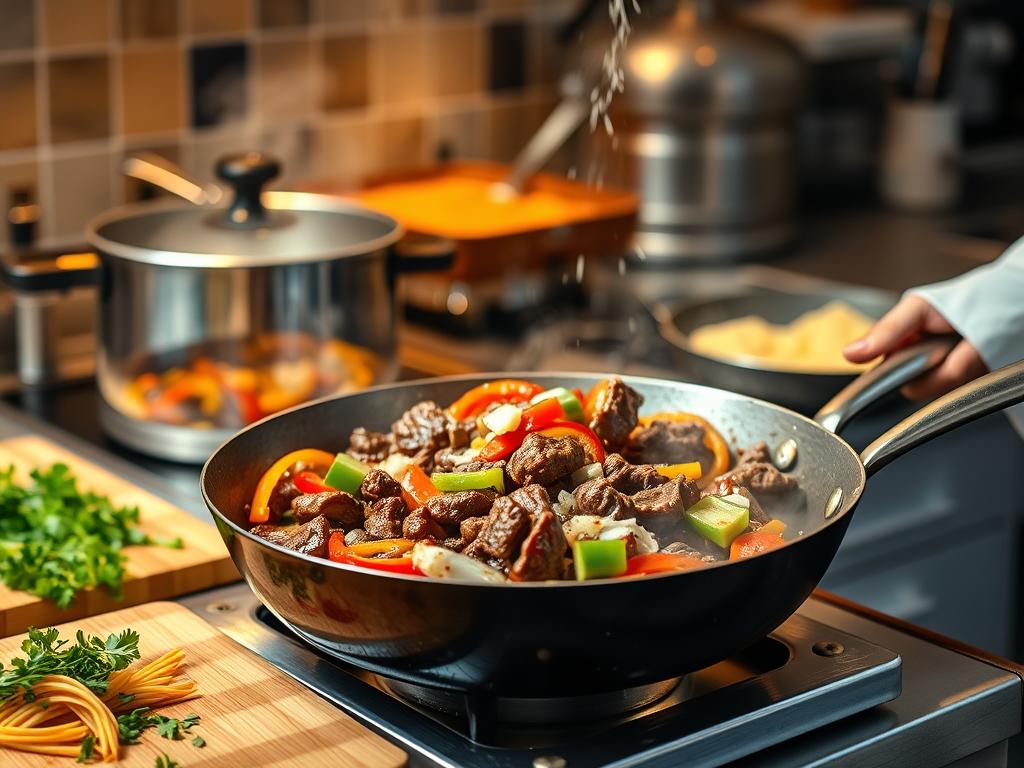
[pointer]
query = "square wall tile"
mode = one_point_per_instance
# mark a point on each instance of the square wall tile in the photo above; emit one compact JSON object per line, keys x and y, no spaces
{"x":458,"y":58}
{"x":462,"y":135}
{"x":507,"y":55}
{"x":284,"y":13}
{"x":201,"y":156}
{"x":456,"y":6}
{"x":79,"y":98}
{"x":396,"y":144}
{"x":148,"y":19}
{"x":284,"y":79}
{"x":218,"y":77}
{"x":340,"y":151}
{"x":512,"y":125}
{"x":400,"y":65}
{"x":18,"y":96}
{"x":222,"y":17}
{"x":82,"y":188}
{"x":151,"y":90}
{"x":346,"y":11}
{"x":345,"y":72}
{"x":18,"y":28}
{"x":75,"y":22}
{"x":293,"y":146}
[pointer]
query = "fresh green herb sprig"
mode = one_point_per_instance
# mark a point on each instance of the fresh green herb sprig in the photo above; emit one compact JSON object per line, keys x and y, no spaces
{"x":163,"y":761}
{"x":131,"y":725}
{"x":56,"y":540}
{"x":90,"y":660}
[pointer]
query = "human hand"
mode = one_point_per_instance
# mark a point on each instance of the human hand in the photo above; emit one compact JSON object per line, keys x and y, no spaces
{"x":910,"y":319}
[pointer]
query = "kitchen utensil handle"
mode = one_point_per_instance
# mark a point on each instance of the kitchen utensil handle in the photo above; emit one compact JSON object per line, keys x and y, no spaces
{"x":161,"y":172}
{"x":893,"y":372}
{"x":992,"y":392}
{"x":563,"y":121}
{"x":247,"y":173}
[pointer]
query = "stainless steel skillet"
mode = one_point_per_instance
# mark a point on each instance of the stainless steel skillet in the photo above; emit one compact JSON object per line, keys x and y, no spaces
{"x":562,"y":639}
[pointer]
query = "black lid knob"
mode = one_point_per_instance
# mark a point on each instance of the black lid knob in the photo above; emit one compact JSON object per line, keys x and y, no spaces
{"x":247,"y":173}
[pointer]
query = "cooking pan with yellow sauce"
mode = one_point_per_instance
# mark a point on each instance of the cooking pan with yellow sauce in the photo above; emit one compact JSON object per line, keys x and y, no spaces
{"x":781,"y":347}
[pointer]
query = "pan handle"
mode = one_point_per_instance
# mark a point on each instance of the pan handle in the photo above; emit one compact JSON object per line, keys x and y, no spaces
{"x":992,"y":392}
{"x":893,"y":372}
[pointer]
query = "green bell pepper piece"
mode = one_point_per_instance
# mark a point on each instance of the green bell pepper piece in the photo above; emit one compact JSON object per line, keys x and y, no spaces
{"x":449,"y":482}
{"x":570,"y":403}
{"x":717,"y":520}
{"x":346,"y":474}
{"x":599,"y":558}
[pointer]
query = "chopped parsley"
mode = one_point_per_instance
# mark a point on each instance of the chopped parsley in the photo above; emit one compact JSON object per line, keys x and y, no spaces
{"x":56,"y":540}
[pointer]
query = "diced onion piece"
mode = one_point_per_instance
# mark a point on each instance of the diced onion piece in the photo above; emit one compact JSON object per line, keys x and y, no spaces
{"x":504,"y":418}
{"x":588,"y":472}
{"x":466,"y":456}
{"x":443,"y":563}
{"x":395,"y":464}
{"x":646,"y":543}
{"x":588,"y":526}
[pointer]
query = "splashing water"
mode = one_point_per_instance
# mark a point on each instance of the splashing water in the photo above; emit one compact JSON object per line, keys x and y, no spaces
{"x":613,"y":79}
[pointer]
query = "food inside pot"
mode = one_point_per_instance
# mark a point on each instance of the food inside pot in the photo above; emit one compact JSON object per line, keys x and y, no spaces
{"x":233,"y":387}
{"x":512,"y":482}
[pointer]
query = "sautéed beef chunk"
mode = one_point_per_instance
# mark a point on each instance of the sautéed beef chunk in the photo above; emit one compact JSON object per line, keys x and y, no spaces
{"x":759,"y":477}
{"x":418,"y":525}
{"x":357,"y":536}
{"x":450,"y":509}
{"x":599,"y":497}
{"x":670,"y":442}
{"x":309,"y":538}
{"x":545,"y":460}
{"x":666,"y":503}
{"x":615,"y":414}
{"x":682,"y":548}
{"x":423,"y":428}
{"x":378,"y":485}
{"x":542,"y":555}
{"x":384,"y":518}
{"x":282,"y":496}
{"x":631,"y":478}
{"x":340,"y":508}
{"x":369,"y":446}
{"x":756,"y":453}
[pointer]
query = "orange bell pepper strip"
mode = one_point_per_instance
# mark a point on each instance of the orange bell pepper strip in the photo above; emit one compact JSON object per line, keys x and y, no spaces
{"x":416,"y":487}
{"x":691,"y":470}
{"x":753,"y":543}
{"x":306,"y":458}
{"x":774,"y":525}
{"x":366,"y":555}
{"x":476,"y":400}
{"x":712,"y":437}
{"x":660,"y":562}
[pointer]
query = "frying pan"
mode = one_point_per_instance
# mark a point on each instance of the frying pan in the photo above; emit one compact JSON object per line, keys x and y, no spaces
{"x":567,"y":638}
{"x":803,"y":391}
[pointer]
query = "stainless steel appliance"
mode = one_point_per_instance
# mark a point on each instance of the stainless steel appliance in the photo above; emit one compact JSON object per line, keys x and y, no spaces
{"x":705,"y":131}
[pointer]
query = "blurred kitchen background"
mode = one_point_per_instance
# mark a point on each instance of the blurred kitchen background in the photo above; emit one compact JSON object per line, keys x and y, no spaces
{"x":831,"y":149}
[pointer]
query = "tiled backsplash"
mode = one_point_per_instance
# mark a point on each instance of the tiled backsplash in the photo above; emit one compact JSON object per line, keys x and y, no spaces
{"x":337,"y":88}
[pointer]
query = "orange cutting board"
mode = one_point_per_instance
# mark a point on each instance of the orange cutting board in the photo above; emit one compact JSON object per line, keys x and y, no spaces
{"x":251,"y":713}
{"x":153,"y":572}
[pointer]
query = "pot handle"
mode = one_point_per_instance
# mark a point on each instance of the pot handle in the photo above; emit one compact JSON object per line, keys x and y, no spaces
{"x":893,"y":372}
{"x":987,"y":394}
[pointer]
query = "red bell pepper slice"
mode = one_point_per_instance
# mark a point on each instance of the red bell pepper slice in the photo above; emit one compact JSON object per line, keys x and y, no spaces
{"x":358,"y":554}
{"x":591,"y":442}
{"x":753,"y":543}
{"x":537,"y":417}
{"x":476,"y":400}
{"x":310,"y":482}
{"x":416,"y":487}
{"x":660,"y":562}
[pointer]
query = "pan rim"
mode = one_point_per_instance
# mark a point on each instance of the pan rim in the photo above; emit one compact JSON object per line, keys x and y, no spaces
{"x":848,"y":503}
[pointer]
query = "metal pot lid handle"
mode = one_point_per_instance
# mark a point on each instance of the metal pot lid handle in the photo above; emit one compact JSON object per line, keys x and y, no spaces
{"x":987,"y":394}
{"x":247,"y":173}
{"x":889,"y":375}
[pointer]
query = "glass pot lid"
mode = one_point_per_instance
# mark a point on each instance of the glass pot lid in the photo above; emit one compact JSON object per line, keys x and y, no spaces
{"x":257,"y":228}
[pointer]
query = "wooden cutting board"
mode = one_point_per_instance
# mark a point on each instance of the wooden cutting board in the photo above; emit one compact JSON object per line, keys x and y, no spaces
{"x":251,"y":713}
{"x":154,"y":572}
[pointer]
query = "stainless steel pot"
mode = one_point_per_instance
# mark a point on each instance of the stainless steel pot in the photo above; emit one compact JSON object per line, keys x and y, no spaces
{"x":705,"y":132}
{"x":211,"y":317}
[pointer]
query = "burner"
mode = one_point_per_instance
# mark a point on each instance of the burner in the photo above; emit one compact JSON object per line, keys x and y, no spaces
{"x":547,"y":711}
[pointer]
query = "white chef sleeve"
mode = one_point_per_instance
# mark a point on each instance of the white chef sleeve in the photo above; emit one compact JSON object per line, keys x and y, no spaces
{"x":986,"y":307}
